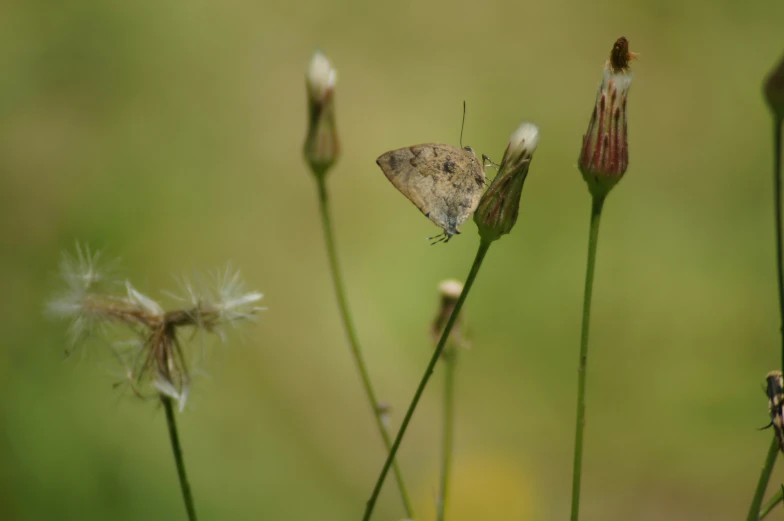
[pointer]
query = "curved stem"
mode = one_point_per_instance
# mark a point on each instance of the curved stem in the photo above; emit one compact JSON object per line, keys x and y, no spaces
{"x":450,"y":362}
{"x":356,"y":351}
{"x":178,"y":459}
{"x":767,"y":468}
{"x":480,"y":255}
{"x":593,"y":239}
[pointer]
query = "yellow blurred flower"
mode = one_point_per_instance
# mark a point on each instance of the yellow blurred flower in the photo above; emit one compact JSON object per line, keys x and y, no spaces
{"x":486,"y":486}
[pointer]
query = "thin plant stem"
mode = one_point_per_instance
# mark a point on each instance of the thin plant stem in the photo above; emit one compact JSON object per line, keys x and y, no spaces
{"x":356,"y":351}
{"x":777,"y":129}
{"x":450,"y":363}
{"x":480,"y":255}
{"x":178,"y":459}
{"x":762,"y":484}
{"x":772,"y":502}
{"x":767,"y":468}
{"x":593,"y":239}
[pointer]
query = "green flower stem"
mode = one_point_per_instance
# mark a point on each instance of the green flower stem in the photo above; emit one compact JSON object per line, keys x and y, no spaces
{"x":450,"y":362}
{"x":593,"y":239}
{"x":762,"y":484}
{"x":754,"y":509}
{"x":480,"y":255}
{"x":178,"y":459}
{"x":777,"y":128}
{"x":356,"y":351}
{"x":775,"y":500}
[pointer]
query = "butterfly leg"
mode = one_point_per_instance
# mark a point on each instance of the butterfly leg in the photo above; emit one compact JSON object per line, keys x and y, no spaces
{"x":487,"y":161}
{"x":441,"y":237}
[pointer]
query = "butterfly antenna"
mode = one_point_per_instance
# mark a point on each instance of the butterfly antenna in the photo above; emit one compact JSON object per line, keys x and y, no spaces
{"x":462,"y":125}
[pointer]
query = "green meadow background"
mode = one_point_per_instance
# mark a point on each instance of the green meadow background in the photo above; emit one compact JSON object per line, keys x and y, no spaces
{"x":169,"y":134}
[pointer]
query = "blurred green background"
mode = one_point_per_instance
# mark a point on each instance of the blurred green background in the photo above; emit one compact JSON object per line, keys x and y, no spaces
{"x":170,"y":134}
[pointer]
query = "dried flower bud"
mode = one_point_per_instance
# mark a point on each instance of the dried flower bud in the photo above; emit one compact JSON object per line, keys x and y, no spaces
{"x":153,"y":361}
{"x":450,"y":293}
{"x":605,"y":153}
{"x":774,"y":90}
{"x":322,"y":145}
{"x":498,"y":208}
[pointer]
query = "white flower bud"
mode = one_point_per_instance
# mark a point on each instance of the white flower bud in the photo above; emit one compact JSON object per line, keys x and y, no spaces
{"x":322,"y":145}
{"x":497,"y":211}
{"x":320,"y":77}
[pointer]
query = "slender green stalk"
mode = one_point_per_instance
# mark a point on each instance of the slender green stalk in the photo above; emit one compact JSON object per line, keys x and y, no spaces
{"x":777,"y":128}
{"x":772,"y":502}
{"x":770,"y":459}
{"x":450,"y":363}
{"x":178,"y":459}
{"x":593,"y":239}
{"x":762,"y":484}
{"x":480,"y":255}
{"x":356,"y":351}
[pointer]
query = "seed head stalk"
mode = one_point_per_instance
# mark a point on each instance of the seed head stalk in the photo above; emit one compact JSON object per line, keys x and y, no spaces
{"x":155,"y":367}
{"x":484,"y":245}
{"x":179,"y":461}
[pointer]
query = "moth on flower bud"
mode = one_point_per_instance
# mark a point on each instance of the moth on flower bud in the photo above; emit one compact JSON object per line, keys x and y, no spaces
{"x":499,"y":206}
{"x":604,"y":155}
{"x":774,"y":90}
{"x":322,"y":145}
{"x":775,"y":391}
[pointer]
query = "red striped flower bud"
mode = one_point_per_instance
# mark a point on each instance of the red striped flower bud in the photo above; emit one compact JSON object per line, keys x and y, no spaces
{"x":605,"y":152}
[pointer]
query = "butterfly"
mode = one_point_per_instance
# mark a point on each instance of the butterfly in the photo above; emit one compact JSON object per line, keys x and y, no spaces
{"x":445,"y":182}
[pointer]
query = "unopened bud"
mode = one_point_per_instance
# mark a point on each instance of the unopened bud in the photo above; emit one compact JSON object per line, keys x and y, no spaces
{"x":498,"y":208}
{"x":774,"y":90}
{"x":322,"y":145}
{"x":450,"y":291}
{"x":605,"y":153}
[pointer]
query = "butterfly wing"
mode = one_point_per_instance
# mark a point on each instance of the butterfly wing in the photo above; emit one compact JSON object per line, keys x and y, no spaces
{"x":443,"y":181}
{"x":405,"y":170}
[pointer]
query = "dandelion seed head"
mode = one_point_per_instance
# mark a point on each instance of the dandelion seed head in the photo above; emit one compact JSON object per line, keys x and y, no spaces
{"x":151,"y":354}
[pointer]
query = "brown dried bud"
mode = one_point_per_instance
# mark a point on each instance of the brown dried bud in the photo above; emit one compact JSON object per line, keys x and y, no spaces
{"x":450,"y":293}
{"x":605,"y":152}
{"x":774,"y":90}
{"x":498,"y":208}
{"x":322,"y":145}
